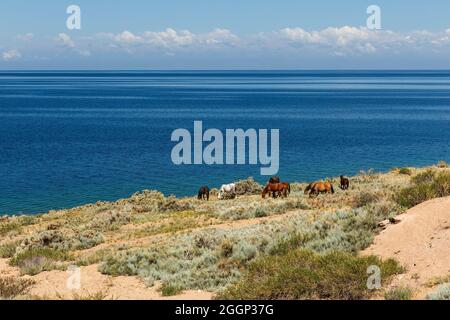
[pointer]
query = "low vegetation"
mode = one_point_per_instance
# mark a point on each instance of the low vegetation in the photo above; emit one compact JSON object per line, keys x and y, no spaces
{"x":427,"y":185}
{"x":406,"y":171}
{"x":303,"y":274}
{"x":442,"y":292}
{"x":185,"y":243}
{"x":400,"y":293}
{"x":12,"y":287}
{"x":35,"y":260}
{"x":8,"y":249}
{"x":169,"y":290}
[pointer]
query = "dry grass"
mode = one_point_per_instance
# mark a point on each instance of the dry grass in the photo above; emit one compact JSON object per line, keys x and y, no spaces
{"x":12,"y":287}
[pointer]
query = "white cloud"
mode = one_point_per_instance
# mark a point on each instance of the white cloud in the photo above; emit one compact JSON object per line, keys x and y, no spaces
{"x":340,"y":41}
{"x":220,"y":36}
{"x":293,"y":42}
{"x":359,"y":40}
{"x":67,"y":43}
{"x":11,"y":55}
{"x":66,"y":40}
{"x":345,"y":39}
{"x":127,"y":37}
{"x":25,"y":37}
{"x":170,"y":38}
{"x":300,"y":35}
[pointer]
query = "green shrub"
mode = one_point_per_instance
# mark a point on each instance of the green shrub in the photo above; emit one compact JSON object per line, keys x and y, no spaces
{"x":172,"y":204}
{"x":261,"y":212}
{"x":406,"y":171}
{"x":8,"y":249}
{"x":87,"y":239}
{"x":8,"y":226}
{"x":441,"y":293}
{"x":365,"y":198}
{"x":244,"y":252}
{"x":11,"y":287}
{"x":170,"y":290}
{"x":258,"y":208}
{"x":151,"y":201}
{"x":15,"y":224}
{"x":97,"y":296}
{"x":400,"y":293}
{"x":226,"y":248}
{"x":424,"y":177}
{"x":297,"y":240}
{"x":110,"y":220}
{"x":303,"y":274}
{"x":63,"y":241}
{"x":93,"y":258}
{"x":412,"y":196}
{"x":248,"y":187}
{"x":35,"y":260}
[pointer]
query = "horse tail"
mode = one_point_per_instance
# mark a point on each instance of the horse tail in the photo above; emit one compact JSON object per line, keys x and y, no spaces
{"x":332,"y":189}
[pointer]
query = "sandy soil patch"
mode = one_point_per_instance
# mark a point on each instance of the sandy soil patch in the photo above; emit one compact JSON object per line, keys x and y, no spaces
{"x":420,"y":242}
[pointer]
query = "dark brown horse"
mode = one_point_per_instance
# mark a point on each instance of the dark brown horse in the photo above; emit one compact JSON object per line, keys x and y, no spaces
{"x":203,"y":193}
{"x":345,"y":183}
{"x":274,"y":180}
{"x":315,"y":188}
{"x":279,"y":189}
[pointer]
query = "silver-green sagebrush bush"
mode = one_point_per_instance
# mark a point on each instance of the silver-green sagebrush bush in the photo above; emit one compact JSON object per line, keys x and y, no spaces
{"x":442,"y":292}
{"x":213,"y":258}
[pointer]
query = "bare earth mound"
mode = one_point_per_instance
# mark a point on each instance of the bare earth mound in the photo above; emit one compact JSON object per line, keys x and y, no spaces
{"x":421,"y":243}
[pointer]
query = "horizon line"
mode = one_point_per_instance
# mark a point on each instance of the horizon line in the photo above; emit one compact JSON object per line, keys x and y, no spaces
{"x":221,"y":70}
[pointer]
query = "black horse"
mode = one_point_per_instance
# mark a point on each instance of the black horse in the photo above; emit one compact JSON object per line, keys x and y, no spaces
{"x":203,"y":193}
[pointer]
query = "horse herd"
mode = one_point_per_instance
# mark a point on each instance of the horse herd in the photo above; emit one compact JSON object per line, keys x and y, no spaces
{"x":276,"y":188}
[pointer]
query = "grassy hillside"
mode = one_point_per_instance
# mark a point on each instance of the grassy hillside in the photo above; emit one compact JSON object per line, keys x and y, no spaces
{"x":225,"y":246}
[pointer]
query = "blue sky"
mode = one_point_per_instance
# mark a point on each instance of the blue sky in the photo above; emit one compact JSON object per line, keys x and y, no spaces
{"x":200,"y":34}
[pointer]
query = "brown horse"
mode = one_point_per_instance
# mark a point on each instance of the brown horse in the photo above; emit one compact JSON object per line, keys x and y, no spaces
{"x":203,"y":193}
{"x":275,"y":188}
{"x":315,"y":188}
{"x":288,"y":188}
{"x":345,"y":183}
{"x":274,"y":179}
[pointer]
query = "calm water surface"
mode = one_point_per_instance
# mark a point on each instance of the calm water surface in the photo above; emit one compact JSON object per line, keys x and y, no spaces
{"x":70,"y":138}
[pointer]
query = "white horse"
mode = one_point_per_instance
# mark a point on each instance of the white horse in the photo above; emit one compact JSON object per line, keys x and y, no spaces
{"x":227,"y":189}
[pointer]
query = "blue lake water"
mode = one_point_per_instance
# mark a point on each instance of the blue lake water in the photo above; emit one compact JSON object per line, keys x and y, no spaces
{"x":70,"y":138}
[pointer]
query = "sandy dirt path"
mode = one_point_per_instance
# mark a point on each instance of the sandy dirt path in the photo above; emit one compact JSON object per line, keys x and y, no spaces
{"x":421,"y":243}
